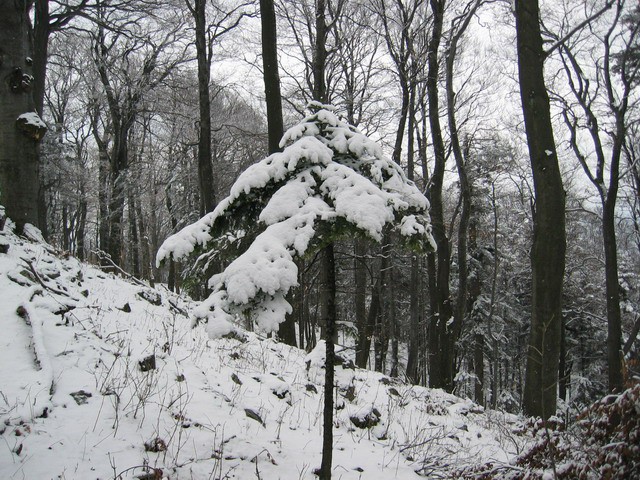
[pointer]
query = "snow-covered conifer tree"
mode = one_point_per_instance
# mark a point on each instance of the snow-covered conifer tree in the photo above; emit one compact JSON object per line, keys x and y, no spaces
{"x":329,"y":181}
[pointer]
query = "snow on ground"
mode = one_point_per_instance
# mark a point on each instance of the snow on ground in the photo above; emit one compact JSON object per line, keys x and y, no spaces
{"x":103,"y":378}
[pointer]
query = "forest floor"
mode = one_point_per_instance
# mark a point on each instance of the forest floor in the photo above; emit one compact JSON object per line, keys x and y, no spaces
{"x":105,"y":378}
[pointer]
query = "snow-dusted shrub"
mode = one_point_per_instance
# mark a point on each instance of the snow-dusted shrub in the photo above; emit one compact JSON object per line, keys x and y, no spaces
{"x":330,"y":180}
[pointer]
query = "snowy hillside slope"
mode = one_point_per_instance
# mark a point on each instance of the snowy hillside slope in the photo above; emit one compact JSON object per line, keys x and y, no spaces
{"x":102,"y":378}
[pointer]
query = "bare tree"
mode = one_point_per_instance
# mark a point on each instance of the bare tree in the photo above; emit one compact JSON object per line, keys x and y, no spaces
{"x":129,"y":66}
{"x":600,"y":106}
{"x":207,"y":32}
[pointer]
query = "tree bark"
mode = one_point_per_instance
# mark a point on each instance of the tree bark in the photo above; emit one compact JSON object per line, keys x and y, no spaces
{"x":612,"y":289}
{"x":363,"y":343}
{"x":271,"y":76}
{"x":329,"y":294}
{"x":205,"y":168}
{"x":549,"y":241}
{"x":440,"y":356}
{"x":19,"y":146}
{"x":478,"y":367}
{"x":320,"y":54}
{"x":41,"y":33}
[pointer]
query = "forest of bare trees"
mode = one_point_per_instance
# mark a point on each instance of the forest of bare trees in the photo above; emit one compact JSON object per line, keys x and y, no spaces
{"x":518,"y":121}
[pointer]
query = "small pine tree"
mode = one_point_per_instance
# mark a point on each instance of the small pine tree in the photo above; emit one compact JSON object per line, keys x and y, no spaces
{"x":329,"y":181}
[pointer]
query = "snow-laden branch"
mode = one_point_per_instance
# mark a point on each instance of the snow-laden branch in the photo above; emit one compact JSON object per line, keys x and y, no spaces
{"x":330,"y":180}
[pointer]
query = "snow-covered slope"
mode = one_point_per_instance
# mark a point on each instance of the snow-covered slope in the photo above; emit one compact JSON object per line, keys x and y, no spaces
{"x":103,"y":378}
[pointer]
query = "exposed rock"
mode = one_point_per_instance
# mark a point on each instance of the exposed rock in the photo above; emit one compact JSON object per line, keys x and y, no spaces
{"x":81,"y":397}
{"x":147,"y":363}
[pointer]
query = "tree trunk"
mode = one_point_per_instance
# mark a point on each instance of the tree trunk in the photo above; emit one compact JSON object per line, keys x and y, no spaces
{"x":320,"y":54}
{"x":81,"y":225}
{"x":134,"y":238}
{"x":363,"y":343}
{"x":205,"y":169}
{"x":549,"y":242}
{"x":287,"y":329}
{"x":440,"y":354}
{"x":19,"y":144}
{"x":414,"y":346}
{"x":478,"y":367}
{"x":119,"y":179}
{"x":145,"y":253}
{"x":41,"y":33}
{"x":563,"y":374}
{"x":329,"y":294}
{"x":614,"y":322}
{"x":271,"y":76}
{"x":103,"y":197}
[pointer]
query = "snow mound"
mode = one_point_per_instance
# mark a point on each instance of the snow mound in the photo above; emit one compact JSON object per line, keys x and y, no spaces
{"x":104,"y":378}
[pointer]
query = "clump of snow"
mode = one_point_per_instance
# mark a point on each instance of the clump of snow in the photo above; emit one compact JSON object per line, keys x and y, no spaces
{"x":31,"y":119}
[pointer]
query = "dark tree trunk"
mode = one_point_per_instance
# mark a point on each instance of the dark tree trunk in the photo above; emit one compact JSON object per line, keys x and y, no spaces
{"x":461,"y":158}
{"x":415,"y":338}
{"x":415,"y":346}
{"x":81,"y":226}
{"x":145,"y":253}
{"x":478,"y":368}
{"x":19,"y":145}
{"x":382,"y":321}
{"x":329,"y":294}
{"x":404,"y":112}
{"x":440,"y":354}
{"x":134,"y":238}
{"x":119,"y":178}
{"x":320,"y":54}
{"x":172,"y":282}
{"x":394,"y":327}
{"x":563,"y":373}
{"x":271,"y":76}
{"x":205,"y":168}
{"x":41,"y":33}
{"x":66,"y":228}
{"x":614,"y":322}
{"x":287,"y":329}
{"x":549,"y":241}
{"x":363,"y":343}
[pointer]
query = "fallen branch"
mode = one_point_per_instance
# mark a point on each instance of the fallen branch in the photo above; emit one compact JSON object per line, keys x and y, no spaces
{"x":105,"y":257}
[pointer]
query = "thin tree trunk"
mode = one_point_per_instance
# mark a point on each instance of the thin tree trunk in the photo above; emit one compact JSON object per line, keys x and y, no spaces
{"x":41,"y":33}
{"x":134,"y":239}
{"x":205,"y":168}
{"x":415,"y":346}
{"x":363,"y":343}
{"x":465,"y":192}
{"x":414,"y":324}
{"x":271,"y":76}
{"x":563,"y":374}
{"x":81,"y":225}
{"x":478,"y":367}
{"x":329,"y":294}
